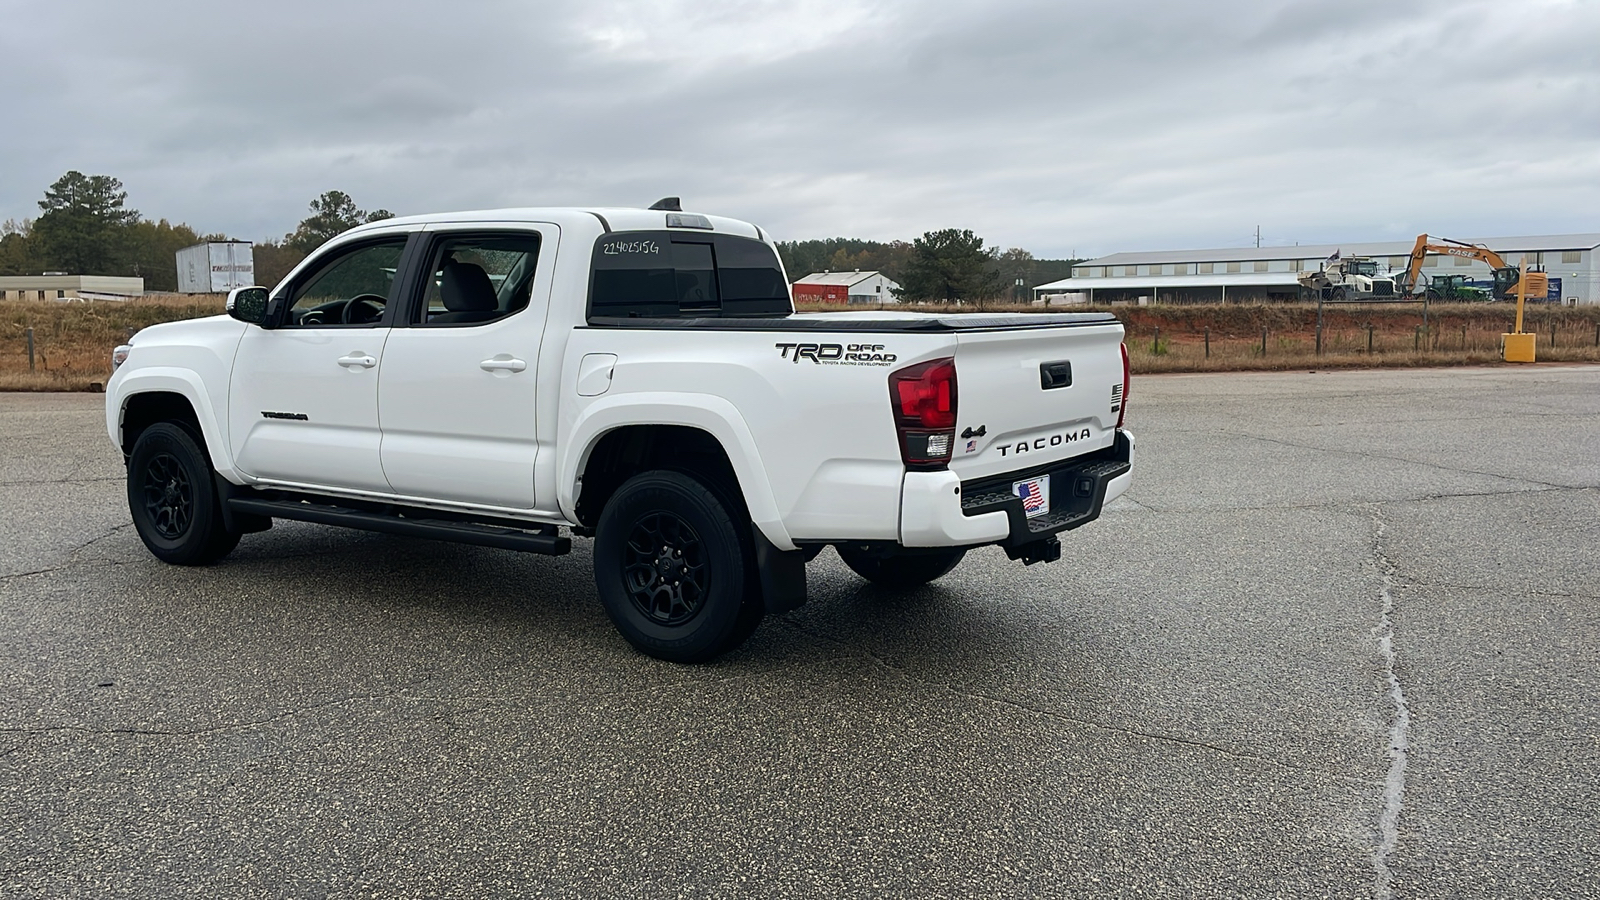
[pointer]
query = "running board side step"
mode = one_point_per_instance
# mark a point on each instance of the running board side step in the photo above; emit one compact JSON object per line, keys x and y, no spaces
{"x":547,"y":543}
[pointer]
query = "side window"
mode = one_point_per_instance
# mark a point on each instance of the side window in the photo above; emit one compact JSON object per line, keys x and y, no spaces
{"x":478,"y":278}
{"x":751,"y":278}
{"x":351,"y":287}
{"x":660,"y":274}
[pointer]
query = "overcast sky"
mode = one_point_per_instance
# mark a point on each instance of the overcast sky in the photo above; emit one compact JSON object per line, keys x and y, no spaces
{"x":1059,"y":127}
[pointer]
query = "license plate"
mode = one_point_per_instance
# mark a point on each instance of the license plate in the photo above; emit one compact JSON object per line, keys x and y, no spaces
{"x":1035,"y":494}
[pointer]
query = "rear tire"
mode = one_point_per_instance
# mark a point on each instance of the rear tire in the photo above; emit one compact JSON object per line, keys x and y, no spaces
{"x":902,"y":568}
{"x":1337,"y":296}
{"x":674,"y":568}
{"x":173,"y":499}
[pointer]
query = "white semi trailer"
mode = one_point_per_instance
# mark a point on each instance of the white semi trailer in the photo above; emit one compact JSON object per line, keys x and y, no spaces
{"x":215,"y":267}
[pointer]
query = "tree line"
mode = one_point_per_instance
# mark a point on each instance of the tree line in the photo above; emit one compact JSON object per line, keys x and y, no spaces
{"x":941,"y":266}
{"x":85,"y":227}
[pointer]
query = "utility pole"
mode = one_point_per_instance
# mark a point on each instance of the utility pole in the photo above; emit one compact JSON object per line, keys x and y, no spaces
{"x":1258,"y":237}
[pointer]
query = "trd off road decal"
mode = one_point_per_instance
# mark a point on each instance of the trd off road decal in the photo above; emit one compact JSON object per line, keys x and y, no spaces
{"x":837,"y":354}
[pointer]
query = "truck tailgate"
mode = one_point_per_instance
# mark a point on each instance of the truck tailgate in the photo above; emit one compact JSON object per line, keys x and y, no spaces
{"x":1034,"y":396}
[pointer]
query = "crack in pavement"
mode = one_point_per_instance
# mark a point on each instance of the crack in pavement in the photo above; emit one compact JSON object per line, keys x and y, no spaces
{"x":70,"y":553}
{"x":1341,"y":505}
{"x":1394,"y":783}
{"x":868,"y":655}
{"x":1370,"y":456}
{"x":95,"y":540}
{"x":1521,"y":590}
{"x":406,"y":693}
{"x":33,"y":481}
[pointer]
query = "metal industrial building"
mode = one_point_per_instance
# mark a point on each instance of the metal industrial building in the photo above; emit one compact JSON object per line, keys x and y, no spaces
{"x":1256,"y":274}
{"x":69,"y":287}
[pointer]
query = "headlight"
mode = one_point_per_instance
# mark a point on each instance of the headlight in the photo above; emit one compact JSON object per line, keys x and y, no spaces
{"x":119,"y":356}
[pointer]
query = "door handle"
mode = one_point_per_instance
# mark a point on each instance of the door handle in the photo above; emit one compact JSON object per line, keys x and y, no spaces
{"x":503,"y":363}
{"x":357,"y":359}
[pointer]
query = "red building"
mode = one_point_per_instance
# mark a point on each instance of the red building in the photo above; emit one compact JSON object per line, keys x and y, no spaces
{"x":821,"y":293}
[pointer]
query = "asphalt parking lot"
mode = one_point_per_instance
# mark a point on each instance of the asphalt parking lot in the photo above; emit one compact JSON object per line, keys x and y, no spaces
{"x":1339,"y":640}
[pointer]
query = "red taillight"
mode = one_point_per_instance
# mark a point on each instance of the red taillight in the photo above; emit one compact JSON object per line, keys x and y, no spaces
{"x":1122,"y":405}
{"x":924,"y":400}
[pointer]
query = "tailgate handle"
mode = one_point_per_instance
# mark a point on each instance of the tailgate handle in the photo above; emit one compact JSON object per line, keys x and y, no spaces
{"x":1055,"y":374}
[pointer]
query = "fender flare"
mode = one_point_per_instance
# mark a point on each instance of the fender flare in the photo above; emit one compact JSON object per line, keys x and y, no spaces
{"x":713,"y":415}
{"x":187,"y":384}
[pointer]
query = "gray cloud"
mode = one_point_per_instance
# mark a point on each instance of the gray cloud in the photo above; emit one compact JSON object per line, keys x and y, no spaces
{"x":1093,"y":126}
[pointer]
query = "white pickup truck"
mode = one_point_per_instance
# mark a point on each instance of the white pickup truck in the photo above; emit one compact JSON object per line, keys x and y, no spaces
{"x":635,"y":376}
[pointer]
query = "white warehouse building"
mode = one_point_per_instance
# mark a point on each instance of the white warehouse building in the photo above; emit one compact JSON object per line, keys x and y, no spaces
{"x":1256,"y":274}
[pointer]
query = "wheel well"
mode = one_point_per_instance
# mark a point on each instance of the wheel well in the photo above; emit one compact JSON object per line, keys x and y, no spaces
{"x":625,"y":452}
{"x":143,"y":410}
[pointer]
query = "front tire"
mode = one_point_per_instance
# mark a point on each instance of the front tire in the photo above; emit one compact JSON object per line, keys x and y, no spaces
{"x":173,"y":499}
{"x":673,"y":568}
{"x":901,"y":568}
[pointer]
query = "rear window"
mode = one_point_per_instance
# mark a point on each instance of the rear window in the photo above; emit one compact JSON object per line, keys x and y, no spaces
{"x":668,"y":274}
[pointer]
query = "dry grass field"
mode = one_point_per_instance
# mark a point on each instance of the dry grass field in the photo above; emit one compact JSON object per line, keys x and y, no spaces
{"x":73,"y":341}
{"x":1221,"y":338}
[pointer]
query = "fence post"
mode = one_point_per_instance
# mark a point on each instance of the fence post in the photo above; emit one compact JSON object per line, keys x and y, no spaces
{"x":30,"y":348}
{"x":1263,"y":341}
{"x":1369,"y":338}
{"x":1416,"y":341}
{"x":1208,"y":340}
{"x":1319,"y":326}
{"x":1155,"y":346}
{"x":1463,"y":338}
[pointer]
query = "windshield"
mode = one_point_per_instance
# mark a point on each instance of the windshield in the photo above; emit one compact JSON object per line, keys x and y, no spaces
{"x":1365,"y":267}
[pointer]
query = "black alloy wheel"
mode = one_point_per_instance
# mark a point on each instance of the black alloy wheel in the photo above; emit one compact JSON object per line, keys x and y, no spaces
{"x":168,"y":496}
{"x":173,"y":500}
{"x":666,"y":572}
{"x":674,"y":564}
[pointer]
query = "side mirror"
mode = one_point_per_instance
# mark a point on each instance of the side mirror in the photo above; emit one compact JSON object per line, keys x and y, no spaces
{"x":248,"y":304}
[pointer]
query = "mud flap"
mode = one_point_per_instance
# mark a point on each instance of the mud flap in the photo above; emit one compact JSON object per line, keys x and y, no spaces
{"x":783,"y":574}
{"x":243,"y":523}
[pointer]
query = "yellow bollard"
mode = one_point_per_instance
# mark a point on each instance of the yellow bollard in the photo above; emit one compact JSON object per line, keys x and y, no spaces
{"x":1517,"y":347}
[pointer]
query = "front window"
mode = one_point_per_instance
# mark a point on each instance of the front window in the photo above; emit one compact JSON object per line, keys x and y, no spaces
{"x":351,"y":288}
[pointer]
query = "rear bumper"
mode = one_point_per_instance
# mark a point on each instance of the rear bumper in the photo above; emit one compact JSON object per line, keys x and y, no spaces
{"x":939,"y":510}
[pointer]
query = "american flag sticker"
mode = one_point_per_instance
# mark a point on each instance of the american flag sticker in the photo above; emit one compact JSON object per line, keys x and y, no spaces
{"x":1035,"y":494}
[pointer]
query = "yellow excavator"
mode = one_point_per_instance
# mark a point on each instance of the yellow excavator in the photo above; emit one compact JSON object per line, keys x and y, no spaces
{"x":1510,"y":283}
{"x":1506,"y":277}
